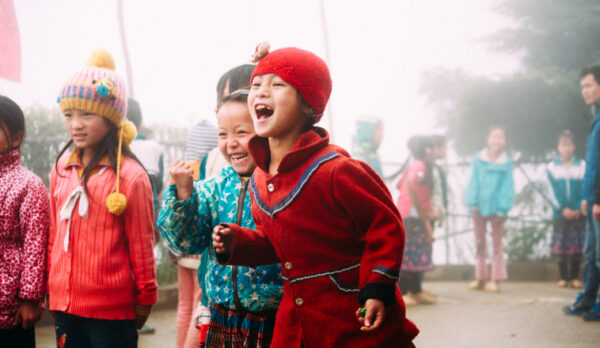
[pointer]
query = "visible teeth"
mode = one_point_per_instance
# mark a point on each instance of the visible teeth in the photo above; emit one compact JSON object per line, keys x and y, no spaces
{"x":260,"y":107}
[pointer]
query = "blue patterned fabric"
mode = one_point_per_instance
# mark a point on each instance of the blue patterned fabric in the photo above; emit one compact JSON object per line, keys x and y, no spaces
{"x":187,"y":226}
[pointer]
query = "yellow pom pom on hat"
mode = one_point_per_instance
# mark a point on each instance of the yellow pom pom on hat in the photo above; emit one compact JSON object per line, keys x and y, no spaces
{"x":98,"y":89}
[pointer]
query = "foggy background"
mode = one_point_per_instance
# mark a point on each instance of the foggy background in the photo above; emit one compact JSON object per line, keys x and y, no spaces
{"x":178,"y":49}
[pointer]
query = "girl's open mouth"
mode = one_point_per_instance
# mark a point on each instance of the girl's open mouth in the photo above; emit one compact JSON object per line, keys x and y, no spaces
{"x":238,"y":158}
{"x":263,"y":111}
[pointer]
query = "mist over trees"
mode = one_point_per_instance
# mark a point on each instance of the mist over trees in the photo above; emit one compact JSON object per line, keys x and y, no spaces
{"x":554,"y":39}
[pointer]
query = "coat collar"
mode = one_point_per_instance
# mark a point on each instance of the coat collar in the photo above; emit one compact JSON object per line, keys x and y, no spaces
{"x":308,"y":144}
{"x":484,"y":156}
{"x":9,"y":160}
{"x":74,"y":159}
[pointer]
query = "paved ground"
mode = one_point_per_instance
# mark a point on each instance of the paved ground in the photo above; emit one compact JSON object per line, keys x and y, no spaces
{"x":522,"y":315}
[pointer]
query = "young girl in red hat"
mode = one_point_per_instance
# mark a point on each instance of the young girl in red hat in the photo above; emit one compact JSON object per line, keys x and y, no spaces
{"x":327,"y":218}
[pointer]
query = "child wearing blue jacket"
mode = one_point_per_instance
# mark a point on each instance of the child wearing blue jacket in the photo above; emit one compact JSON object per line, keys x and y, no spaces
{"x":489,"y":195}
{"x":565,"y":174}
{"x":243,"y":300}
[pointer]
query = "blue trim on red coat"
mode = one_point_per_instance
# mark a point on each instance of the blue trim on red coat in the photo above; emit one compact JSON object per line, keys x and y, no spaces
{"x":287,"y":200}
{"x":386,"y":272}
{"x":322,"y":274}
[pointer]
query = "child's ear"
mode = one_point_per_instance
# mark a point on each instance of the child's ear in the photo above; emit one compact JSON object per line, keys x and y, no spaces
{"x":16,"y":139}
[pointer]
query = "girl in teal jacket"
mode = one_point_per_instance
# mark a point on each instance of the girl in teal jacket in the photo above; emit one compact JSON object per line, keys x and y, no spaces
{"x":243,"y":299}
{"x":490,"y":195}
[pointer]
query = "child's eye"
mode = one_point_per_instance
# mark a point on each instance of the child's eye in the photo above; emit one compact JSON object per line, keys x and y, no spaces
{"x":88,"y":114}
{"x":256,"y":84}
{"x":278,"y":84}
{"x":67,"y":115}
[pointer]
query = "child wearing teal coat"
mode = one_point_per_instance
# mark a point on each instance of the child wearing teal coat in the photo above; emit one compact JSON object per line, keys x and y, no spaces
{"x":489,"y":196}
{"x":243,"y":300}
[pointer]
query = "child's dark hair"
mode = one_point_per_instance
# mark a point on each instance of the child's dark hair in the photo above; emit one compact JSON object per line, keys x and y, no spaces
{"x":107,"y":147}
{"x":593,"y":70}
{"x":566,"y":134}
{"x":496,"y":127}
{"x":418,"y":146}
{"x":238,"y":77}
{"x":438,"y":140}
{"x":239,"y":95}
{"x":12,"y":120}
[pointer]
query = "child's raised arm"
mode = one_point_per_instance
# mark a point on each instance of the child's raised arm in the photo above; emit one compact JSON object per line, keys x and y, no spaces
{"x":188,"y":211}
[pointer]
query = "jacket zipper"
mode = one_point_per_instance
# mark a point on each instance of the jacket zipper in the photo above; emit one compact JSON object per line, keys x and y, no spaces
{"x":238,"y":219}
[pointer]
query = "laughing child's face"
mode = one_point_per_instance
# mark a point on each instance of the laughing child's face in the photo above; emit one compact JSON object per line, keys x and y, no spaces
{"x":275,"y":107}
{"x":235,"y":128}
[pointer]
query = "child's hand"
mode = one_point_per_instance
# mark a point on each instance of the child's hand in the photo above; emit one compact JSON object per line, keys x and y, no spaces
{"x":567,"y":213}
{"x":183,"y":175}
{"x":596,"y":211}
{"x":28,"y":314}
{"x":584,"y":208}
{"x":142,"y":312}
{"x":222,"y":239}
{"x":374,"y":316}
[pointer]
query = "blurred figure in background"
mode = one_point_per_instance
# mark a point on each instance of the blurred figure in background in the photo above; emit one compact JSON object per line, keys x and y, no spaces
{"x":590,"y":205}
{"x":148,"y":151}
{"x":489,"y":195}
{"x":439,"y":205}
{"x":368,"y":136}
{"x":565,"y":174}
{"x":414,"y":204}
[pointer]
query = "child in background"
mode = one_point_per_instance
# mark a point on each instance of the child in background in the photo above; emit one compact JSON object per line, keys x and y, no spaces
{"x":369,"y":132}
{"x":101,"y":270}
{"x":489,"y":195}
{"x":566,"y":176}
{"x":414,"y":204}
{"x":439,"y":200}
{"x":328,"y":218}
{"x":23,"y":235}
{"x":243,"y":300}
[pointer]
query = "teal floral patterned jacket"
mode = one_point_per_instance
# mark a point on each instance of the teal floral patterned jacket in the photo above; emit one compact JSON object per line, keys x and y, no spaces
{"x":187,"y":226}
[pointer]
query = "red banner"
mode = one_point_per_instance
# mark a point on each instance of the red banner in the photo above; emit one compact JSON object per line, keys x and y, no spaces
{"x":10,"y":42}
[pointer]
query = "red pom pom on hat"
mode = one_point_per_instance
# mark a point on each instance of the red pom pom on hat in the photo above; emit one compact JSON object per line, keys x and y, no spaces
{"x":302,"y":69}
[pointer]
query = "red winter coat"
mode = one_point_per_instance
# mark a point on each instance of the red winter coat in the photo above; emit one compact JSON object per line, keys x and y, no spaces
{"x":24,"y":221}
{"x":332,"y":224}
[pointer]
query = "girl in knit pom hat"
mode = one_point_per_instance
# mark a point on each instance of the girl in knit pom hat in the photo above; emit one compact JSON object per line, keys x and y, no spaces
{"x":101,"y":273}
{"x":328,"y":218}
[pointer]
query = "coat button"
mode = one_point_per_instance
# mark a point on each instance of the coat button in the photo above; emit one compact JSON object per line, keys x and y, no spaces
{"x":271,"y":187}
{"x":299,"y":301}
{"x":287,"y":266}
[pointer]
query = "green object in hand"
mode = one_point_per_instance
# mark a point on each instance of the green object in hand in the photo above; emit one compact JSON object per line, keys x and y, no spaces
{"x":363,"y":312}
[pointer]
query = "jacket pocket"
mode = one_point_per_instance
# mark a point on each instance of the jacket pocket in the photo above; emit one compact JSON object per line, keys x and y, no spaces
{"x":10,"y":269}
{"x":347,"y":281}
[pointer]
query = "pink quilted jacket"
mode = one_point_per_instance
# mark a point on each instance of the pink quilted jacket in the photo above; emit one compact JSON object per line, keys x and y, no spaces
{"x":24,"y":222}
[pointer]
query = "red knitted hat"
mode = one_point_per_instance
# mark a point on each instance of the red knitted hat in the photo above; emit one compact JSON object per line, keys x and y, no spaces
{"x":300,"y":68}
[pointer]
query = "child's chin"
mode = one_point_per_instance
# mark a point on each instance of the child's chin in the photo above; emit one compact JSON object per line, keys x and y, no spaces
{"x":243,"y":170}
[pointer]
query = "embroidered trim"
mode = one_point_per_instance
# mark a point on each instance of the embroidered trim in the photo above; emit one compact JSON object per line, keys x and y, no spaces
{"x":322,"y":274}
{"x":341,"y":286}
{"x":386,"y":272}
{"x":287,"y":200}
